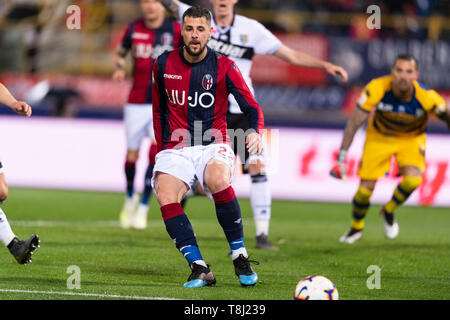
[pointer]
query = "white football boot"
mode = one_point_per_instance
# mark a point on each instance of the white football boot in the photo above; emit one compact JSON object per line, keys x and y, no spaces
{"x":139,"y":220}
{"x":128,"y":209}
{"x":351,"y":236}
{"x":390,"y":230}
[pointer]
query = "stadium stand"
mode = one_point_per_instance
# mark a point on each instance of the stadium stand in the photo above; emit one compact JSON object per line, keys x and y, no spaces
{"x":37,"y":48}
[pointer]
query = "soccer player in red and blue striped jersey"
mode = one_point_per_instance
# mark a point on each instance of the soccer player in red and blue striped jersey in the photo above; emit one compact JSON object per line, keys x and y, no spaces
{"x":241,"y":38}
{"x":190,"y":101}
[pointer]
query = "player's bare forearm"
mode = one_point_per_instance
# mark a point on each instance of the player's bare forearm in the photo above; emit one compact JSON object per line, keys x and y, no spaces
{"x":119,"y":64}
{"x":6,"y":97}
{"x":353,"y":124}
{"x":171,"y":5}
{"x":302,"y":59}
{"x":298,"y":58}
{"x":358,"y":117}
{"x":119,"y":57}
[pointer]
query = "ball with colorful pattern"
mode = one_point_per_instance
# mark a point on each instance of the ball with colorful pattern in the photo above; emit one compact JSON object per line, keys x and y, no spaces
{"x":315,"y":288}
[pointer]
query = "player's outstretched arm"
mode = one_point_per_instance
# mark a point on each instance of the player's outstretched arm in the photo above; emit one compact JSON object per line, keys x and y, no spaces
{"x":302,"y":59}
{"x":357,"y":119}
{"x":8,"y":99}
{"x":172,"y":6}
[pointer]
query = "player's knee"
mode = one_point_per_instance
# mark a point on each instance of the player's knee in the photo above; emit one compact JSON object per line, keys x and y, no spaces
{"x":165,"y":195}
{"x":218,"y":181}
{"x":132,"y":155}
{"x":217,"y":176}
{"x":165,"y":198}
{"x":168,"y":189}
{"x":368,"y":184}
{"x":411,"y":183}
{"x":219,"y":185}
{"x":256,"y":167}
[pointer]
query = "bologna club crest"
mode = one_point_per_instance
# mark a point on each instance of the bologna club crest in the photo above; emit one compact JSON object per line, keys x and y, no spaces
{"x":207,"y":81}
{"x":167,"y":38}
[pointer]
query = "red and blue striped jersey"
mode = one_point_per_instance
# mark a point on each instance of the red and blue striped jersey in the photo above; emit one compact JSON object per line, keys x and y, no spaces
{"x":190,"y":100}
{"x":146,"y":45}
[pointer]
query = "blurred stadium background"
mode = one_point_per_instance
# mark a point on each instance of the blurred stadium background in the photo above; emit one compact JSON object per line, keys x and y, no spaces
{"x":75,"y":138}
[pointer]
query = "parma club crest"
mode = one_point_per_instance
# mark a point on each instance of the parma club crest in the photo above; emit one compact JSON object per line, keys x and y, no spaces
{"x":207,"y":81}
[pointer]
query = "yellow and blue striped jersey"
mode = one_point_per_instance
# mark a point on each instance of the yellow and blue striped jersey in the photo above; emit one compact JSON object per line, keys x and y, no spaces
{"x":393,"y":117}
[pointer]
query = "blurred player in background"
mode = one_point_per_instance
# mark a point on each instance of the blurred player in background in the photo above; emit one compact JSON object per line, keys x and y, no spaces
{"x":400,"y":107}
{"x":190,"y":101}
{"x":240,"y":38}
{"x":22,"y":250}
{"x":146,"y":38}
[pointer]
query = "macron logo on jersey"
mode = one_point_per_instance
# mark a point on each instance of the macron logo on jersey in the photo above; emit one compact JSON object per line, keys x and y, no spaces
{"x":173,"y":76}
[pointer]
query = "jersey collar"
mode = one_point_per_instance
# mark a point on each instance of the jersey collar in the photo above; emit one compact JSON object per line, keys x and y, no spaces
{"x":224,"y":29}
{"x":180,"y":53}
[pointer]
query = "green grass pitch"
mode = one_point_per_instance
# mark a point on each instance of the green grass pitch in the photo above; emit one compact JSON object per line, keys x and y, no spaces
{"x":81,"y":228}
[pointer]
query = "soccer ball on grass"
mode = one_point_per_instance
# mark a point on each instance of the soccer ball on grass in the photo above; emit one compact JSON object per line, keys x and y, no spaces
{"x":315,"y":288}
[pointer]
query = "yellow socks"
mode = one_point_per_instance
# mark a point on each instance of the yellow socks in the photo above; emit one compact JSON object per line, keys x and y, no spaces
{"x":361,"y":203}
{"x":361,"y":200}
{"x":402,"y":192}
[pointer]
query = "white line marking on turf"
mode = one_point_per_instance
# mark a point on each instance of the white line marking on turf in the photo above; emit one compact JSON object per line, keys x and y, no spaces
{"x":53,"y":223}
{"x":82,"y":294}
{"x":77,"y":223}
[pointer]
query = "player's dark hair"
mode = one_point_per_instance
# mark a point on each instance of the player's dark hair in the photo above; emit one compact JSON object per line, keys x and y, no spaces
{"x":197,"y":12}
{"x":407,"y":57}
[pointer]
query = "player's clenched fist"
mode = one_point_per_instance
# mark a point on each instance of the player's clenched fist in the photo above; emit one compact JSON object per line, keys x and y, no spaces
{"x":21,"y":107}
{"x":254,"y":143}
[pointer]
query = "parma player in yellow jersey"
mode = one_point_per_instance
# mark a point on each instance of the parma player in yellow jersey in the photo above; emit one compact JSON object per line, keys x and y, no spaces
{"x":397,"y":107}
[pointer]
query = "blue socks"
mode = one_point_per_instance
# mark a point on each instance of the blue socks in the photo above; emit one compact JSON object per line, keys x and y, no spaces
{"x":228,"y":213}
{"x":180,"y":230}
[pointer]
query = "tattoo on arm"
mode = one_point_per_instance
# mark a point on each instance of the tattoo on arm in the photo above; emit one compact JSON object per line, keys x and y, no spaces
{"x":122,"y":52}
{"x":357,"y":119}
{"x":119,"y":58}
{"x":172,"y":6}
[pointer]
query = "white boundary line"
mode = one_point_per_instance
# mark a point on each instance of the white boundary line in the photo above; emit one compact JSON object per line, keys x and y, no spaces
{"x":81,"y":294}
{"x":56,"y":223}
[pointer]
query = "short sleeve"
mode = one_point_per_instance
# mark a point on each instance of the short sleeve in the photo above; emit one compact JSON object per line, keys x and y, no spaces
{"x":127,"y":40}
{"x":438,"y":104}
{"x":266,"y":42}
{"x":371,"y":95}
